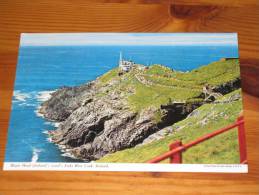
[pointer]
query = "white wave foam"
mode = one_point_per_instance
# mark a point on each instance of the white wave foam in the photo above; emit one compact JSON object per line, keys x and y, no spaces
{"x":49,"y":139}
{"x":35,"y":154}
{"x":27,"y":104}
{"x":44,"y":95}
{"x":19,"y":96}
{"x":38,"y":113}
{"x":63,"y":148}
{"x":55,"y":124}
{"x":67,"y":154}
{"x":45,"y":132}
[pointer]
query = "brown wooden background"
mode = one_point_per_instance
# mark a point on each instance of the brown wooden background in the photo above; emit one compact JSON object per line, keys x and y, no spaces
{"x":240,"y":16}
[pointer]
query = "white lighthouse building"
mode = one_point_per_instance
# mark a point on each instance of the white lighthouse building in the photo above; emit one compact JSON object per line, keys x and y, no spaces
{"x":124,"y":64}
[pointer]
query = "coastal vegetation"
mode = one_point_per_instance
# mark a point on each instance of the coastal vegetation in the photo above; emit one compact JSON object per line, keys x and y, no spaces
{"x":110,"y":119}
{"x":204,"y":120}
{"x":159,"y":85}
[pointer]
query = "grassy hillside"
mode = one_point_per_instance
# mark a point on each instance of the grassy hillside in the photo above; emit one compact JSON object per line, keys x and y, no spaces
{"x":215,"y":73}
{"x":206,"y":119}
{"x":159,"y":84}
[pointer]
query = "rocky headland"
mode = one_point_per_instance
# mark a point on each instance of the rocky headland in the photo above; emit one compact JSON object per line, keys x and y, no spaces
{"x":120,"y":110}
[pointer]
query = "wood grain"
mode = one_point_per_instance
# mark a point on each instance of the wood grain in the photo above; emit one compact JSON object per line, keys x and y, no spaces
{"x":132,"y":16}
{"x":228,"y":3}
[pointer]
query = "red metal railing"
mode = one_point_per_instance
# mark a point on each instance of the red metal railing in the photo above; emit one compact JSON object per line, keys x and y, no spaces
{"x":176,"y":148}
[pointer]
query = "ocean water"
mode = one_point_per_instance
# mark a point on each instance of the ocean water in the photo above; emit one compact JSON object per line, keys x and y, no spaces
{"x":44,"y":69}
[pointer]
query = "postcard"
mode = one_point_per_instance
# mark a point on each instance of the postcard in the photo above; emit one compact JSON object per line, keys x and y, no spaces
{"x":163,"y":102}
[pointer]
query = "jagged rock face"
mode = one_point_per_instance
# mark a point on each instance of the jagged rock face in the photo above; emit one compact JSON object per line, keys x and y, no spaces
{"x":93,"y":127}
{"x":65,"y":100}
{"x":124,"y":131}
{"x":176,"y":112}
{"x":228,"y":86}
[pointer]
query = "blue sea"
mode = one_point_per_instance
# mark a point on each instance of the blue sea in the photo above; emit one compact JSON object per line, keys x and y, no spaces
{"x":47,"y":68}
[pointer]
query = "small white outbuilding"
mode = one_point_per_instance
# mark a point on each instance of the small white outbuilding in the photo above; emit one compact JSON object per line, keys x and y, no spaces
{"x":125,"y":65}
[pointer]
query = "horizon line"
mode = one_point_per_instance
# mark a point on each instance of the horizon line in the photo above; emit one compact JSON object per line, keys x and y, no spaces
{"x":124,"y":39}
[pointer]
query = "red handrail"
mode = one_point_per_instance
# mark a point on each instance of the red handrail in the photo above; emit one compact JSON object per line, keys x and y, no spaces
{"x":176,"y":148}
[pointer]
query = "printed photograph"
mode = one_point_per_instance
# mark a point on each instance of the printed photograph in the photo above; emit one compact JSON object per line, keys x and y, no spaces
{"x":170,"y":98}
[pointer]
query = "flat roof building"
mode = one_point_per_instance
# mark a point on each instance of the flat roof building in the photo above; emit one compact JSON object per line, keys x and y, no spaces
{"x":125,"y":65}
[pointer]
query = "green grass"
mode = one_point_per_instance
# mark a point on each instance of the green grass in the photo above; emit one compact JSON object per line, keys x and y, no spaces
{"x":168,"y":84}
{"x":180,"y":86}
{"x":145,"y":96}
{"x":109,"y":75}
{"x":215,"y":73}
{"x":158,"y":116}
{"x":173,"y":82}
{"x":160,"y":70}
{"x":220,"y":149}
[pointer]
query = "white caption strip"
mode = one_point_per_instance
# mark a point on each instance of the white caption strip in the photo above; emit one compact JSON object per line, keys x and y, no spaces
{"x":140,"y":167}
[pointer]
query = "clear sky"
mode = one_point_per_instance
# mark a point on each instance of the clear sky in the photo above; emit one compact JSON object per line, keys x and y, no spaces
{"x":166,"y":39}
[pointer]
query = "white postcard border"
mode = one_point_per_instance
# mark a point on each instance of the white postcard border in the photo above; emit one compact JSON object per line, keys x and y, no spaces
{"x":135,"y":167}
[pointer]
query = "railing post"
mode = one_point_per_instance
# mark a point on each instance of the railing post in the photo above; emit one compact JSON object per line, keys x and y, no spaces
{"x":242,"y":141}
{"x":176,"y":158}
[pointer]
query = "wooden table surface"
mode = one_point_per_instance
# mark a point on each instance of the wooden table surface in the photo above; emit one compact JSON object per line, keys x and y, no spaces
{"x":242,"y":16}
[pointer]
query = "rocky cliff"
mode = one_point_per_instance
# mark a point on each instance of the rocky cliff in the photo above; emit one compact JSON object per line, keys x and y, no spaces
{"x":93,"y":125}
{"x":100,"y":118}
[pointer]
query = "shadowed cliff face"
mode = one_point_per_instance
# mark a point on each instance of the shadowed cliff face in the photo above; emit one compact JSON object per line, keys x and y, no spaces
{"x":176,"y":112}
{"x":65,"y":100}
{"x":228,"y":86}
